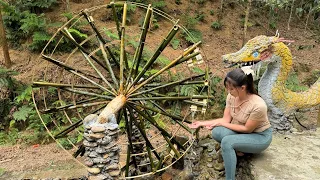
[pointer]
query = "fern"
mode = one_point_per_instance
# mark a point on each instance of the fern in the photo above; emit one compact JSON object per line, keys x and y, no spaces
{"x":23,"y":113}
{"x":175,"y":43}
{"x":196,"y":36}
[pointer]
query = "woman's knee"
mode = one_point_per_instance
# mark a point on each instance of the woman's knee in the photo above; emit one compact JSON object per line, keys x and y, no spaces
{"x":226,"y":143}
{"x":216,"y":133}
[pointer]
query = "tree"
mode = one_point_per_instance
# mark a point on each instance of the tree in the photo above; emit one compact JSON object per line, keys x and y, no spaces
{"x":4,"y":44}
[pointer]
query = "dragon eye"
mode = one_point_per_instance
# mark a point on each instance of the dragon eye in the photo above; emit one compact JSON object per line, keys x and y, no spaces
{"x":255,"y":54}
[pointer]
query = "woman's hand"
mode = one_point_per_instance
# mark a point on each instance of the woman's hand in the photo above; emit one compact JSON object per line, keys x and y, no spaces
{"x":215,"y":124}
{"x":195,"y":125}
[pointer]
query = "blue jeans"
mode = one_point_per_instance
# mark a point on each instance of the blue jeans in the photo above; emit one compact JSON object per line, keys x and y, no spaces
{"x":232,"y":141}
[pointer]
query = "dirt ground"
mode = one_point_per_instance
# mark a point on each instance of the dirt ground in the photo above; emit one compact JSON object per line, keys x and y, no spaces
{"x":290,"y":156}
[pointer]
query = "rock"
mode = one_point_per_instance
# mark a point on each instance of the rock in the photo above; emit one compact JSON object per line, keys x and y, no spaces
{"x":105,"y":156}
{"x":94,"y":170}
{"x":96,"y":135}
{"x":111,"y":126}
{"x":93,"y":154}
{"x":113,"y":133}
{"x":114,"y":173}
{"x":210,"y":148}
{"x":100,"y":160}
{"x":218,"y":166}
{"x":166,"y":176}
{"x":97,"y":129}
{"x":205,"y":142}
{"x":90,"y":144}
{"x":217,"y":146}
{"x":99,"y":177}
{"x":100,"y":150}
{"x":88,"y":163}
{"x":209,"y":165}
{"x":113,"y":167}
{"x":209,"y":159}
{"x":89,"y":120}
{"x":106,"y":140}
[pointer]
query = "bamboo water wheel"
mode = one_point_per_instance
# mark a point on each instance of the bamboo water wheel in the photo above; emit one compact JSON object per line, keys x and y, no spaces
{"x":115,"y":53}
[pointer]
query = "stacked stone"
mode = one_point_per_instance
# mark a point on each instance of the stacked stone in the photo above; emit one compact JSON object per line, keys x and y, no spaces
{"x":102,"y":150}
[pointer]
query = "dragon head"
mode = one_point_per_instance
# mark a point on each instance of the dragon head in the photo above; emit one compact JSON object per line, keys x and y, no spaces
{"x":255,"y":50}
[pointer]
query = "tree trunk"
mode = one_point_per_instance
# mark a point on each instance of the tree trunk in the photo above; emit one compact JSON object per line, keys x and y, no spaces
{"x":3,"y":43}
{"x":246,"y":23}
{"x":292,"y":6}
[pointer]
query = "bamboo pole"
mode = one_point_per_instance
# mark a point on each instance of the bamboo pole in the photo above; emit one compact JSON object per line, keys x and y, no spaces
{"x":162,"y":46}
{"x":186,"y":101}
{"x":130,"y":147}
{"x":81,"y":48}
{"x":138,"y":52}
{"x":173,"y":63}
{"x":67,"y":106}
{"x":3,"y":43}
{"x":112,"y":109}
{"x":100,"y":38}
{"x":59,"y":85}
{"x":154,"y":123}
{"x":115,"y":17}
{"x":181,"y":83}
{"x":142,"y":132}
{"x":122,"y":48}
{"x":88,"y":93}
{"x":93,"y":66}
{"x":170,"y":98}
{"x":66,"y":67}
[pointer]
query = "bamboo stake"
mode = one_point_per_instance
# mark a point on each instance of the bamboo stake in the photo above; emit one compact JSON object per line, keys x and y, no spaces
{"x":154,"y":123}
{"x":138,"y":52}
{"x":184,"y":56}
{"x":93,"y":66}
{"x":81,"y":48}
{"x":186,"y":101}
{"x":142,"y":132}
{"x":100,"y":38}
{"x":112,"y":109}
{"x":172,"y":147}
{"x":59,"y":85}
{"x":66,"y":67}
{"x":148,"y":148}
{"x":162,"y":46}
{"x":181,"y":83}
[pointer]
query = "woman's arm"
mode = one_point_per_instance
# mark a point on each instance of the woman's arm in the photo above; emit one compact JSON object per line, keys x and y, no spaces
{"x":225,"y":119}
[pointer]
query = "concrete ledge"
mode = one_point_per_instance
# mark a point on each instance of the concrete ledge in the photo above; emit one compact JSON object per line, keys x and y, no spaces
{"x":292,"y":156}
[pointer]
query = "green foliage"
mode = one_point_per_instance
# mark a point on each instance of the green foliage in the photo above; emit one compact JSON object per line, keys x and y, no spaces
{"x":293,"y":83}
{"x":175,"y":43}
{"x":216,"y":25}
{"x":200,"y":16}
{"x":211,"y":12}
{"x":159,"y":4}
{"x":2,"y":170}
{"x":23,"y":113}
{"x":195,"y":36}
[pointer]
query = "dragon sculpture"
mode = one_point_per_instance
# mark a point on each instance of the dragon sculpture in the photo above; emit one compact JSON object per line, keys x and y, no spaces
{"x":281,"y":101}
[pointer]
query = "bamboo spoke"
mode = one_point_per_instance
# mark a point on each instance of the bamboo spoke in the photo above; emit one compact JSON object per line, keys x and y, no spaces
{"x":185,"y":56}
{"x":115,"y":17}
{"x":177,"y":119}
{"x":138,"y":52}
{"x":100,"y":38}
{"x":176,"y":152}
{"x":186,"y":101}
{"x":130,"y":147}
{"x":162,"y":46}
{"x":73,"y":126}
{"x":88,"y":93}
{"x":64,"y":66}
{"x":170,"y":98}
{"x":59,"y":85}
{"x":81,"y":48}
{"x":122,"y":48}
{"x":142,"y":133}
{"x":93,"y":66}
{"x":169,"y":84}
{"x":67,"y":106}
{"x":153,"y":122}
